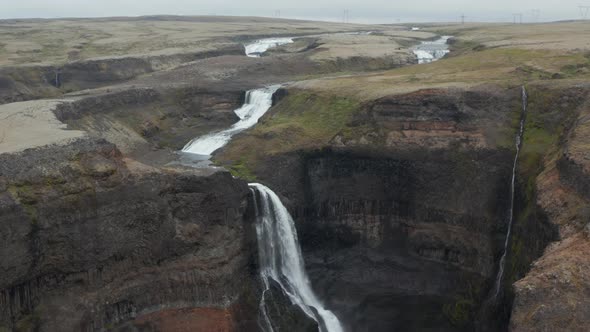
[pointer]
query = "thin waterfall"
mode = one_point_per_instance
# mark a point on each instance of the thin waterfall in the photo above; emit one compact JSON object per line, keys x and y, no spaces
{"x":518,"y":143}
{"x":257,"y":103}
{"x":281,"y":260}
{"x":57,"y":72}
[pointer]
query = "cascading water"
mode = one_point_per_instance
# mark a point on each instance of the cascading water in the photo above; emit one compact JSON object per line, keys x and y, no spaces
{"x":433,"y":50}
{"x":518,"y":143}
{"x":257,"y":48}
{"x":281,"y":260}
{"x":257,"y":103}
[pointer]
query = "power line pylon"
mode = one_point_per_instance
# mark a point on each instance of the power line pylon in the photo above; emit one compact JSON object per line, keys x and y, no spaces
{"x":584,"y":10}
{"x":345,"y":16}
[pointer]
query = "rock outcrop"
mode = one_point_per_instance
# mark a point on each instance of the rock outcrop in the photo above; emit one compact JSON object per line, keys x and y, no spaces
{"x":92,"y":240}
{"x":21,"y":83}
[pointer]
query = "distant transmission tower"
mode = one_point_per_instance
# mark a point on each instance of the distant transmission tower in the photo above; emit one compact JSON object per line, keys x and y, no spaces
{"x":277,"y":13}
{"x":463,"y":17}
{"x":517,"y":18}
{"x":584,"y":10}
{"x":345,"y":16}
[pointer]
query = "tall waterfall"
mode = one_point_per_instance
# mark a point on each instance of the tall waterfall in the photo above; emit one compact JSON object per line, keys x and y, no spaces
{"x":257,"y":103}
{"x":518,"y":143}
{"x":281,"y":260}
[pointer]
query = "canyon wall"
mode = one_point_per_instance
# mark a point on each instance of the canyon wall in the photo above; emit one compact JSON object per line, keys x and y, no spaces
{"x":402,"y":213}
{"x":21,"y":83}
{"x":94,"y":241}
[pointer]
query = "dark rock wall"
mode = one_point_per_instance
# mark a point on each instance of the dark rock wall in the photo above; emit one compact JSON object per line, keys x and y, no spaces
{"x":402,"y":229}
{"x":33,"y":82}
{"x":165,"y":118}
{"x":90,"y":240}
{"x":394,"y":243}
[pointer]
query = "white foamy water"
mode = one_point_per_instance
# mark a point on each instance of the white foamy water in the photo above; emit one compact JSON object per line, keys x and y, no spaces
{"x":257,"y":103}
{"x":280,"y":260}
{"x":257,"y":48}
{"x":433,"y":50}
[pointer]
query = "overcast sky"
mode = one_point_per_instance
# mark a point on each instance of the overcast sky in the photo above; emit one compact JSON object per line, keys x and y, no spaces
{"x":365,"y":11}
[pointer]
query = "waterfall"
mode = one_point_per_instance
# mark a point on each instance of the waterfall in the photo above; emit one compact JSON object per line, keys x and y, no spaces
{"x":57,"y":72}
{"x":255,"y":49}
{"x":280,"y":260}
{"x":518,"y":143}
{"x":432,"y":50}
{"x":257,"y":103}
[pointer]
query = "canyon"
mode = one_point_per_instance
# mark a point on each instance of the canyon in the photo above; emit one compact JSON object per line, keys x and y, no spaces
{"x":395,"y":173}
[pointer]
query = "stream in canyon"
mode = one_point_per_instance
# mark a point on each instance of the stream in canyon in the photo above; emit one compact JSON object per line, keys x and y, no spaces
{"x":280,"y":260}
{"x":426,"y":52}
{"x":258,"y":47}
{"x":257,"y":103}
{"x":278,"y":246}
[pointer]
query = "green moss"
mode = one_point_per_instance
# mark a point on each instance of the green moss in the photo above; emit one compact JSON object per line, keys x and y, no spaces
{"x":28,"y":323}
{"x":301,"y":120}
{"x":581,"y":66}
{"x":242,"y":171}
{"x":25,"y":193}
{"x":545,"y":127}
{"x":459,"y":313}
{"x":462,"y":46}
{"x":462,"y":310}
{"x":27,"y":196}
{"x":545,"y":123}
{"x":507,"y":134}
{"x":319,"y":117}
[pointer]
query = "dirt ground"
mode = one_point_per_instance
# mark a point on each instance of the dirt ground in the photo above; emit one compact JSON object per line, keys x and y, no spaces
{"x":32,"y":124}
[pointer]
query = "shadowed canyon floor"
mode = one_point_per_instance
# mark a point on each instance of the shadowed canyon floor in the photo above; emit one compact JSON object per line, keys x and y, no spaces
{"x":397,"y":175}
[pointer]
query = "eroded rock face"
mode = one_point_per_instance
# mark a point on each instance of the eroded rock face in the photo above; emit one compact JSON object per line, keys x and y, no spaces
{"x":404,"y":233}
{"x":21,"y":83}
{"x":142,"y":119}
{"x":555,"y":294}
{"x":401,"y":243}
{"x":92,"y":240}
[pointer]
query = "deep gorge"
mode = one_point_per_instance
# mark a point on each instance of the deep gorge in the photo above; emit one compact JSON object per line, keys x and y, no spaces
{"x":394,"y":184}
{"x":412,"y":234}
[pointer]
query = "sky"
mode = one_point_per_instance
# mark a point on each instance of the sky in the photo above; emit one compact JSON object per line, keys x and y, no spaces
{"x":360,"y":11}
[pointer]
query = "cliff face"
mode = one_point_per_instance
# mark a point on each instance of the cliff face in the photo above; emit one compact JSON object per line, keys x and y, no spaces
{"x":554,"y":294}
{"x":402,"y":212}
{"x":143,"y":119}
{"x":92,"y":240}
{"x":41,"y":81}
{"x":403,"y":244}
